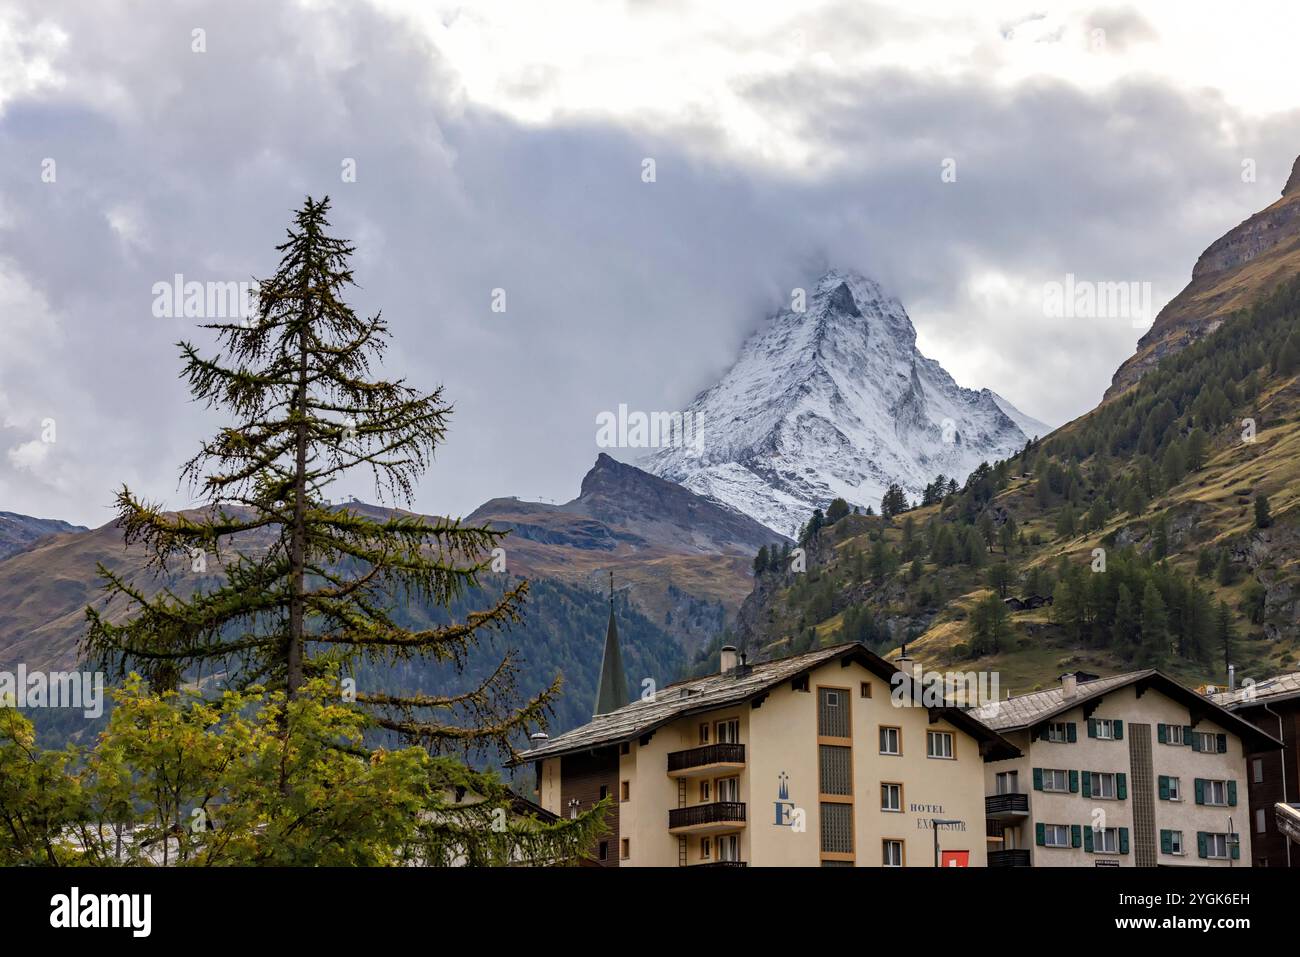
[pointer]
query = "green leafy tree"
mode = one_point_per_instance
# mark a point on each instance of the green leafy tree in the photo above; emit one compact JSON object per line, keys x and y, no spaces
{"x":307,"y":585}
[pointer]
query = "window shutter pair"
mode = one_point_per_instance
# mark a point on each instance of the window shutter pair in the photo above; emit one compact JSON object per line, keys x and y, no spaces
{"x":1232,"y":794}
{"x":1038,"y":779}
{"x":1123,"y":840}
{"x":1074,"y":782}
{"x":1118,"y":727}
{"x":1121,"y":786}
{"x":1040,"y":835}
{"x":1202,"y":840}
{"x":1076,"y":835}
{"x":1223,"y":743}
{"x":1200,"y":792}
{"x":1164,"y":792}
{"x":1087,"y":838}
{"x":1087,"y":784}
{"x":1162,"y":735}
{"x":1166,"y":842}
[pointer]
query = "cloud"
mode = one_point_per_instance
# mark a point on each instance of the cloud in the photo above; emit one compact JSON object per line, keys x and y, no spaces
{"x":472,"y":176}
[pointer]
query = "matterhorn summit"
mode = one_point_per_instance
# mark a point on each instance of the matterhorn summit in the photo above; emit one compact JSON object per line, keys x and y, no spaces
{"x":836,"y":401}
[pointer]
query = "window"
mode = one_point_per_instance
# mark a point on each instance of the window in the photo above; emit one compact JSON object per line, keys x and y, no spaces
{"x":938,"y":744}
{"x":729,"y":789}
{"x":604,"y":850}
{"x":1175,"y":789}
{"x":1209,"y":743}
{"x":833,"y":713}
{"x":1058,"y":732}
{"x":892,"y":853}
{"x":1055,"y":779}
{"x":1106,"y":840}
{"x":1105,"y":728}
{"x":604,"y":791}
{"x":625,"y":791}
{"x":837,"y":828}
{"x":1171,"y":842}
{"x":1261,"y":824}
{"x":704,"y":733}
{"x":1216,"y":846}
{"x":1056,"y":835}
{"x":729,"y":731}
{"x":864,"y":690}
{"x":891,"y":741}
{"x":1008,"y":782}
{"x":1103,"y":785}
{"x":729,"y":847}
{"x":891,"y":797}
{"x":799,"y":684}
{"x":706,"y":848}
{"x":1257,"y":770}
{"x":1174,"y":735}
{"x":627,"y":848}
{"x":705,"y":791}
{"x":836,"y":769}
{"x":1216,"y":793}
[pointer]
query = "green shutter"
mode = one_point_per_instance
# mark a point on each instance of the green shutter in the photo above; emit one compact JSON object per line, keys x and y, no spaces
{"x":1223,"y":744}
{"x":1232,"y":794}
{"x":1195,"y":740}
{"x":1076,"y":836}
{"x":1087,"y":838}
{"x":1040,"y":835}
{"x":1164,"y":787}
{"x":1123,"y":840}
{"x":1200,"y":790}
{"x":1118,"y":727}
{"x":1162,"y":734}
{"x":1201,"y":849}
{"x":1074,"y":782}
{"x":1234,"y":842}
{"x":1121,"y":786}
{"x":1071,"y":733}
{"x":1166,"y":842}
{"x":1038,"y":779}
{"x":1187,"y":734}
{"x":1087,"y":784}
{"x":1092,"y":727}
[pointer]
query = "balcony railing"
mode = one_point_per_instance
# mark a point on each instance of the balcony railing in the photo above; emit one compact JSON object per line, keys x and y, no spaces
{"x":1006,"y":805}
{"x":1015,"y":858}
{"x":721,"y":864}
{"x":712,"y":812}
{"x":708,"y":754}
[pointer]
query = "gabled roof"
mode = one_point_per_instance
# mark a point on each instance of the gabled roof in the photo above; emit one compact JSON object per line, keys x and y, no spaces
{"x":1027,"y":710}
{"x":720,"y":690}
{"x":1268,"y":691}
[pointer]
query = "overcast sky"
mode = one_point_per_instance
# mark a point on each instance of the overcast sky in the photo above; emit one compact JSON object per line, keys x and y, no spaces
{"x":501,"y":146}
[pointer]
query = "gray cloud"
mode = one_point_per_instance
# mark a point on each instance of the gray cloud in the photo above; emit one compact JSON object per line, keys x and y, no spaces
{"x":617,"y":290}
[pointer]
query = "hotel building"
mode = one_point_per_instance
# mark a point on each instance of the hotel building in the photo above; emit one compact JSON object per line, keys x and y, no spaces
{"x":804,"y":761}
{"x":1131,"y":770}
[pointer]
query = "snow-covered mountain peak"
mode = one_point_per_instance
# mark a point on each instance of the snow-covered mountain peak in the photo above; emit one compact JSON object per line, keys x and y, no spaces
{"x":835,"y":400}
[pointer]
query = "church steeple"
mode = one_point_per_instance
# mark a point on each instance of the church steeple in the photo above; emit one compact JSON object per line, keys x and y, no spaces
{"x":611,"y":692}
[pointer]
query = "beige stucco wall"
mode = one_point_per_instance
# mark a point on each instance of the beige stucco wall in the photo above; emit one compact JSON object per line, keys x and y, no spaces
{"x":1091,"y":754}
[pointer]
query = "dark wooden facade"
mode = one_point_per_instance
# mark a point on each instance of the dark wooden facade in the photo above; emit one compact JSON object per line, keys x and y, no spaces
{"x":584,"y":778}
{"x":1280,"y":782}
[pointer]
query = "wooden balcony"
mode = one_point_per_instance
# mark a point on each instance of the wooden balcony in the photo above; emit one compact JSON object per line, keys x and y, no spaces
{"x":1002,"y":807}
{"x":706,"y":818}
{"x":705,"y":760}
{"x":1015,"y":858}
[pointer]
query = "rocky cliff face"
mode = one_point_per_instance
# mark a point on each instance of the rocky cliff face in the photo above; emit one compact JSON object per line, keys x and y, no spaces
{"x":1247,"y":262}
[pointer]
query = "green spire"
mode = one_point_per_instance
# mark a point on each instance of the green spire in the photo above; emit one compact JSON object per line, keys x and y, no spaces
{"x":611,"y":692}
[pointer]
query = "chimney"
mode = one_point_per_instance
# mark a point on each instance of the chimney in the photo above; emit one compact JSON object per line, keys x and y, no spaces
{"x":729,"y":658}
{"x":1232,"y":677}
{"x":1069,"y":685}
{"x":905,"y":662}
{"x":537,"y":739}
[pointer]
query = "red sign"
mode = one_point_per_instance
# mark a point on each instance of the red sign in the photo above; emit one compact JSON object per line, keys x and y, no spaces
{"x":954,"y":858}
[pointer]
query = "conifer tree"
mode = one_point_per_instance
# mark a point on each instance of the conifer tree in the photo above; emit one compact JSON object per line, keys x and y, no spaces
{"x":308,"y":586}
